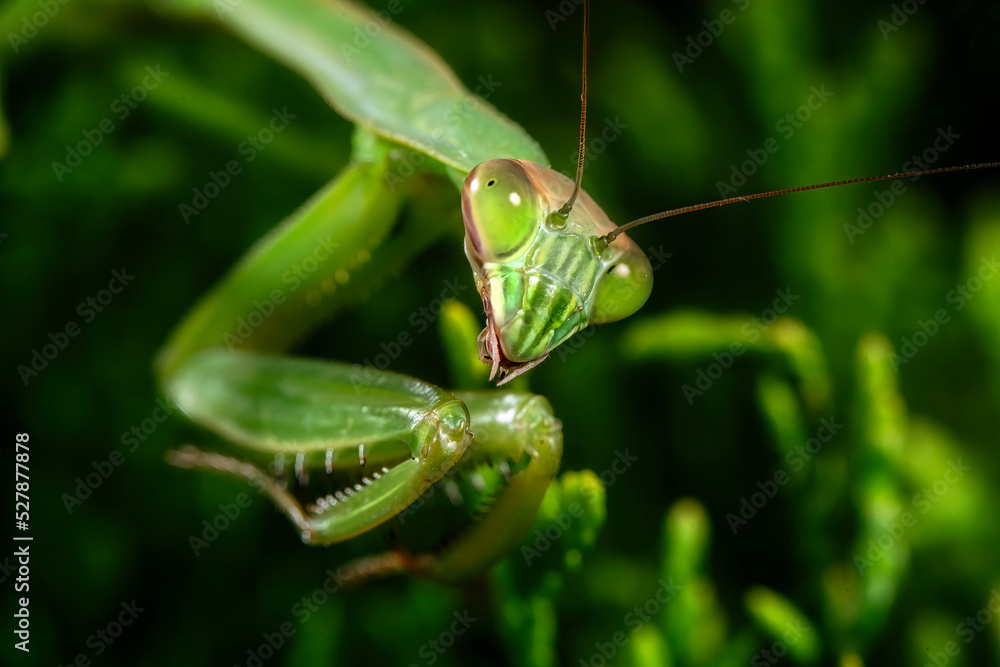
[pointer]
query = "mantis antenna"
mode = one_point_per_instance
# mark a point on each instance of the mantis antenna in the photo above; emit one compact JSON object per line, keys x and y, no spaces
{"x":609,"y":238}
{"x":612,"y":235}
{"x":568,"y":206}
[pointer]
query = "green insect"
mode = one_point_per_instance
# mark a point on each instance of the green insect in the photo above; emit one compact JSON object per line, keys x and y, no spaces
{"x":341,"y":451}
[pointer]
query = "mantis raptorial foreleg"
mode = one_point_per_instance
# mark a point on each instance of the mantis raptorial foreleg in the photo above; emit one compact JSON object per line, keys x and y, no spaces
{"x":307,"y":414}
{"x":514,"y":431}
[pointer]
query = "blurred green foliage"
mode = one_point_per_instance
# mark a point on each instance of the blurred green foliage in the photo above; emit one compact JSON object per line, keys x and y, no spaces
{"x":881,"y":539}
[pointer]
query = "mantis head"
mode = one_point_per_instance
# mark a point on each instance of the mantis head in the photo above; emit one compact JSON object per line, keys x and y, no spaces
{"x":540,"y":267}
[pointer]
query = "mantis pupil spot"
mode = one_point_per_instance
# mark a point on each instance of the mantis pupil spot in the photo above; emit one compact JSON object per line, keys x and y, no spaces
{"x":491,"y":183}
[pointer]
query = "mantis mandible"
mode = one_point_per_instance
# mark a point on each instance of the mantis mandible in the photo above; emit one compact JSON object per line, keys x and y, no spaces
{"x":379,"y":443}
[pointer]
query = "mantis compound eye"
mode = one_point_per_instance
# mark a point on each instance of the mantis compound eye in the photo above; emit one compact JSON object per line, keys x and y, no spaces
{"x":501,"y":208}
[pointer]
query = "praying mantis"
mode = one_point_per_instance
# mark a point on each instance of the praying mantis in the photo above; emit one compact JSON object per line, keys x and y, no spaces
{"x":295,"y":421}
{"x":392,"y":437}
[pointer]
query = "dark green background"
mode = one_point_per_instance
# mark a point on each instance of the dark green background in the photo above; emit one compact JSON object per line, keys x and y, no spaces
{"x":684,"y":132}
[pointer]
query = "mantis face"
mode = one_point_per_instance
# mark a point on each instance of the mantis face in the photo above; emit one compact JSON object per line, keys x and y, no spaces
{"x":541,"y":276}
